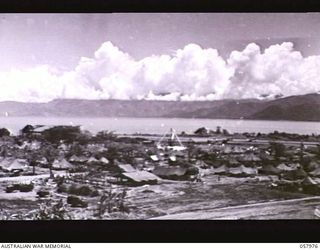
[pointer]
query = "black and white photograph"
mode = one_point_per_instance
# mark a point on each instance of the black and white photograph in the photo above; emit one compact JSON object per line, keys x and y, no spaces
{"x":160,"y":116}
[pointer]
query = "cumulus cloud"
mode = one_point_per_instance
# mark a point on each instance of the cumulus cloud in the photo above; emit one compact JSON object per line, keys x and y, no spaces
{"x":279,"y":70}
{"x":191,"y":73}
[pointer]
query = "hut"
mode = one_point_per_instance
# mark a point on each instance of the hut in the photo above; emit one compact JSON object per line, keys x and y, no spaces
{"x":238,"y":150}
{"x":62,"y":164}
{"x":74,"y":158}
{"x":17,"y":165}
{"x":249,"y":158}
{"x":315,"y":173}
{"x":92,"y":160}
{"x":296,"y":174}
{"x":5,"y":162}
{"x":313,"y":165}
{"x":78,"y":159}
{"x":42,"y":161}
{"x":221,"y":170}
{"x":202,"y":131}
{"x":310,"y":186}
{"x":249,"y":171}
{"x":235,"y":172}
{"x":233,"y":162}
{"x":242,"y":171}
{"x":269,"y":170}
{"x":284,"y":167}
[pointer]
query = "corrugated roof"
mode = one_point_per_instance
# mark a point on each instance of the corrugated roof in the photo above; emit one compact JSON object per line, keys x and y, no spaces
{"x":170,"y":171}
{"x":41,"y":129}
{"x":126,"y":168}
{"x":141,"y":176}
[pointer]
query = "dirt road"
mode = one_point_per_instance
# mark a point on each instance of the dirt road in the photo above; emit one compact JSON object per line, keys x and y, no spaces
{"x":288,"y":209}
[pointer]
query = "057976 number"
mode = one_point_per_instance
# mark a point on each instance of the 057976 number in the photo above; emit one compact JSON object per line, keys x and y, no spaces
{"x":309,"y":245}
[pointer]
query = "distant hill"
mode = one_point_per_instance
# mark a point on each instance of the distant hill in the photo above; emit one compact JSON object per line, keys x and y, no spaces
{"x":296,"y":108}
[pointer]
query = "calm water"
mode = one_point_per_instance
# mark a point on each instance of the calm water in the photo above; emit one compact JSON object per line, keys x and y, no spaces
{"x":162,"y":125}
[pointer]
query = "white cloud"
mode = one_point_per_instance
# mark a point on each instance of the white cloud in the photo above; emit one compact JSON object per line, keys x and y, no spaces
{"x":278,"y":70}
{"x":192,"y":73}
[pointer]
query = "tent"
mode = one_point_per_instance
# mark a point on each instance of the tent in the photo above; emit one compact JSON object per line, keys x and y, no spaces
{"x":269,"y":170}
{"x":154,"y":157}
{"x":172,"y":158}
{"x":104,"y":160}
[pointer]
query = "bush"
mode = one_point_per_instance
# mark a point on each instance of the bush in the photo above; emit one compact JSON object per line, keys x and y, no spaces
{"x":75,"y":201}
{"x":82,"y":190}
{"x":66,"y":133}
{"x":20,"y":187}
{"x":62,"y":188}
{"x":112,"y":201}
{"x":4,"y":132}
{"x":43,"y":193}
{"x":49,"y":211}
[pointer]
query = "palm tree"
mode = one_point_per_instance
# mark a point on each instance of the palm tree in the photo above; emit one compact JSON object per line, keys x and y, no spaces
{"x":32,"y":157}
{"x":51,"y":154}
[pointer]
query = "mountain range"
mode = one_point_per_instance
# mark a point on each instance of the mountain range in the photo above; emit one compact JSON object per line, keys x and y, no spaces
{"x":295,"y":108}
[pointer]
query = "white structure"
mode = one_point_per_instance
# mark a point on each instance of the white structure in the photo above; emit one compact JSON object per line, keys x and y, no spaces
{"x":173,"y":137}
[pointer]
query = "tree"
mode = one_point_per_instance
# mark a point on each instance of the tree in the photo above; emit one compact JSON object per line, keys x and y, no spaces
{"x":32,"y":157}
{"x":105,"y":135}
{"x":218,"y":130}
{"x":4,"y":132}
{"x":51,"y":154}
{"x":225,"y":132}
{"x":27,"y":130}
{"x":278,"y":149}
{"x":112,"y":154}
{"x":65,"y":133}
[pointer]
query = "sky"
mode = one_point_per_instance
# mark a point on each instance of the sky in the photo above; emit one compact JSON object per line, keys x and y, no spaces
{"x":164,"y":56}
